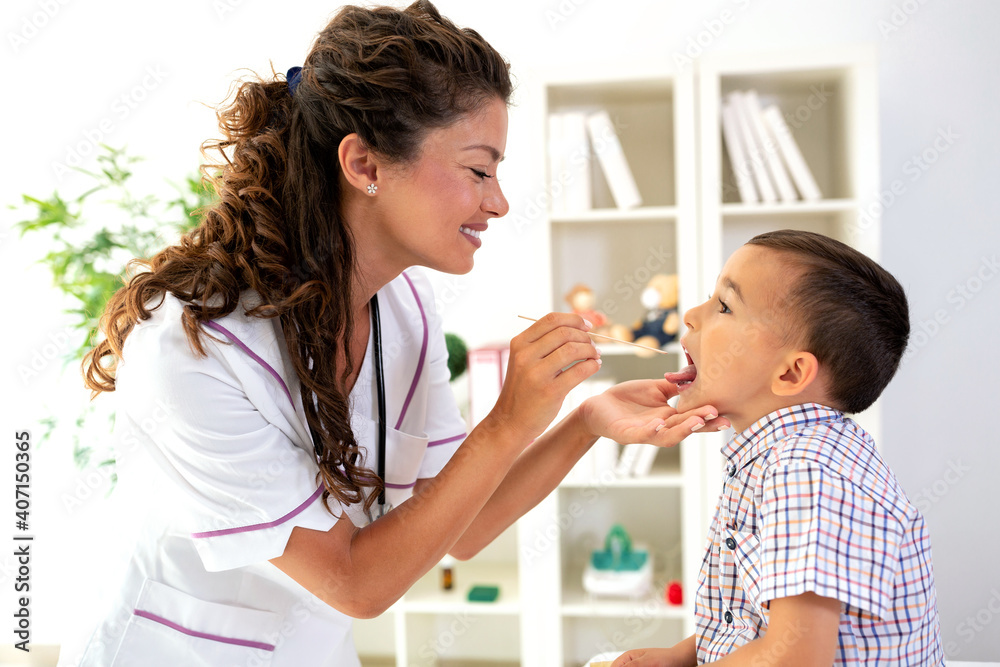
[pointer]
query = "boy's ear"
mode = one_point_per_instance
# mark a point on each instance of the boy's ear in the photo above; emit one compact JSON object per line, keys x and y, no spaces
{"x":358,"y":164}
{"x":798,"y":372}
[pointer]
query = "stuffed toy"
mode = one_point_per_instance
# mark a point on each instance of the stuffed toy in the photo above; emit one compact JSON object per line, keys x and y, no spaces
{"x":582,"y":300}
{"x":661,"y":322}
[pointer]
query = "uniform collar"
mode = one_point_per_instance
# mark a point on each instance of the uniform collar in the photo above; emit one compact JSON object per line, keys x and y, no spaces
{"x":779,"y":424}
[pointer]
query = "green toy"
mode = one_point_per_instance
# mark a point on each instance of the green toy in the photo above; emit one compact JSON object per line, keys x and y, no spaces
{"x":618,"y":554}
{"x":484,"y":593}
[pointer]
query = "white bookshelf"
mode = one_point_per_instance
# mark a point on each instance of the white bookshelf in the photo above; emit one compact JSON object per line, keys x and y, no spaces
{"x":690,"y":221}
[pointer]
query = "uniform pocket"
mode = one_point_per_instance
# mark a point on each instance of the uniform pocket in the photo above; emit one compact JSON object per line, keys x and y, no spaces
{"x":169,"y":628}
{"x":404,"y":454}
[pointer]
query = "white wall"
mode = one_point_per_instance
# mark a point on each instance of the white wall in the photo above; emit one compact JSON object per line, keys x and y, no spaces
{"x":69,"y":63}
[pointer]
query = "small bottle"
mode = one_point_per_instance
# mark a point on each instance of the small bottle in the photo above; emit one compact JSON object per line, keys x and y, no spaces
{"x":447,"y":581}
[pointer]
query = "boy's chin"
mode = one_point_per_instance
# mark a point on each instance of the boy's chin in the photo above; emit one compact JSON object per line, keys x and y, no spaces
{"x":685,"y":402}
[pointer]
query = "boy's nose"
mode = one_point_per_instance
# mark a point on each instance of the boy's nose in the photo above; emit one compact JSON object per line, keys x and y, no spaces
{"x":689,"y":318}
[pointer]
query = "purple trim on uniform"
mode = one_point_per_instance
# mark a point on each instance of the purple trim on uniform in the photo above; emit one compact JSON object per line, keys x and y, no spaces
{"x":261,"y":526}
{"x":420,"y":359}
{"x":435,"y":443}
{"x":202,"y":635}
{"x":401,"y":486}
{"x":253,"y":355}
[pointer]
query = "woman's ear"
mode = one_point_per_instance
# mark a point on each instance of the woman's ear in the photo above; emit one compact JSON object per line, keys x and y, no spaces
{"x":358,"y":164}
{"x":798,"y":372}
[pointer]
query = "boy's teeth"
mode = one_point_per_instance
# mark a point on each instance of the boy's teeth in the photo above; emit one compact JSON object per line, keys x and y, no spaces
{"x":470,"y":232}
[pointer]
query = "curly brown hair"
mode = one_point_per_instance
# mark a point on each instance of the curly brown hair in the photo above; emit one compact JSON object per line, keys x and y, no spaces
{"x":388,"y":75}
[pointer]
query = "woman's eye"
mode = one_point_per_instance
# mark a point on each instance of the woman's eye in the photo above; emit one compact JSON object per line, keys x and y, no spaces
{"x":480,"y":174}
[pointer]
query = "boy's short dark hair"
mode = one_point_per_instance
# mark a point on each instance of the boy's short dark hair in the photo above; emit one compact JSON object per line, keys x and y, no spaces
{"x":853,"y":313}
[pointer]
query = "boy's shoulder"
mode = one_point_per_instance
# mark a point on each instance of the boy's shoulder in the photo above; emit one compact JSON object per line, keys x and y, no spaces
{"x":843,"y":454}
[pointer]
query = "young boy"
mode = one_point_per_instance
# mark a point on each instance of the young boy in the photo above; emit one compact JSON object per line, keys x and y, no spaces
{"x":815,"y":555}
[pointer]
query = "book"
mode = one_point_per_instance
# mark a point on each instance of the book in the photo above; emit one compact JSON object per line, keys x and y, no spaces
{"x":790,"y":154}
{"x":644,"y":461}
{"x":626,"y":462}
{"x":610,"y":155}
{"x":769,"y":151}
{"x":576,"y":182}
{"x":755,"y":158}
{"x":636,"y":460}
{"x":487,"y":369}
{"x":737,"y":155}
{"x":557,"y":163}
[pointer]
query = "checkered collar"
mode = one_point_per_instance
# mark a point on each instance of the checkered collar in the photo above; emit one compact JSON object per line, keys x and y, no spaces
{"x":762,"y":434}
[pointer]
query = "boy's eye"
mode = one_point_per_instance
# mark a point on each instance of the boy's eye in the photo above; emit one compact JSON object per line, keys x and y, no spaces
{"x":723,"y":308}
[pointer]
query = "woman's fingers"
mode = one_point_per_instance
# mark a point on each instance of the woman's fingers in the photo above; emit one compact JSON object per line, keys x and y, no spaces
{"x":676,"y":428}
{"x":545,"y":325}
{"x":547,"y":360}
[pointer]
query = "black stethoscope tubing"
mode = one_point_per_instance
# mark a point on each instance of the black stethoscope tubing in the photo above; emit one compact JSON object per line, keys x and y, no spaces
{"x":380,"y":401}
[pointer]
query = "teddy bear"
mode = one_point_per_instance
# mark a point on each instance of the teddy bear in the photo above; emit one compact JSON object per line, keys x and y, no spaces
{"x":661,"y":323}
{"x":582,"y":300}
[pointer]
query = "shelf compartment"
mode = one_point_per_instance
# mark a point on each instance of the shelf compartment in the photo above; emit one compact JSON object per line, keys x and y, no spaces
{"x":427,"y":597}
{"x":642,"y":111}
{"x":641,"y":214}
{"x":839,"y":223}
{"x":615,"y":260}
{"x":816,"y":106}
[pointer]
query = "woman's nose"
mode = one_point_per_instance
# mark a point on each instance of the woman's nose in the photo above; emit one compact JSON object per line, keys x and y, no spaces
{"x":494,"y":203}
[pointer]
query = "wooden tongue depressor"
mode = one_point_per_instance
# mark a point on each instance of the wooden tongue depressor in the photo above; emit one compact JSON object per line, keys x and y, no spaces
{"x":617,"y":340}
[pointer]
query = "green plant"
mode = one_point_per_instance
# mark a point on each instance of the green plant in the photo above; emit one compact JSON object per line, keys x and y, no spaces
{"x":93,"y":236}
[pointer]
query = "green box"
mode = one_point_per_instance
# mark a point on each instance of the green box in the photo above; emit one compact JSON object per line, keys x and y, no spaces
{"x":484,"y":593}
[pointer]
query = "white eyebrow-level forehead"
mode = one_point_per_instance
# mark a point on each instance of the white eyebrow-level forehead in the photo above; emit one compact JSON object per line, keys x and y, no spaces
{"x":494,"y":153}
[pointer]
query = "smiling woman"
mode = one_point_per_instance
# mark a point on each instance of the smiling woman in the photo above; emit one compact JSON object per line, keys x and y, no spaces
{"x":299,"y":468}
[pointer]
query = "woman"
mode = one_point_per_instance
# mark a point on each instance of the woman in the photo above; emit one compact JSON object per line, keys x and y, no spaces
{"x":261,"y":362}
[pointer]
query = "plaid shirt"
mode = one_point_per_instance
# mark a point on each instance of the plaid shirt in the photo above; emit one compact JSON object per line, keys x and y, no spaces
{"x":809,"y":505}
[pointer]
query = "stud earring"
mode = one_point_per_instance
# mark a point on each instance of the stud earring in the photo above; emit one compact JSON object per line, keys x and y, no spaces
{"x":372,"y":188}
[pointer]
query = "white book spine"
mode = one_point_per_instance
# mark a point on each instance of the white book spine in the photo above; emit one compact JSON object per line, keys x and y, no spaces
{"x":577,"y":186}
{"x":769,"y":150}
{"x":558,"y":171}
{"x":737,"y":158}
{"x":611,"y":157}
{"x":605,"y":456}
{"x":626,"y":462}
{"x":791,"y":154}
{"x":644,"y":461}
{"x":753,"y":152}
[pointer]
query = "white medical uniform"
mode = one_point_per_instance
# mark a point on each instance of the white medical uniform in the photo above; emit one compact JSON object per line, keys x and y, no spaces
{"x":219,"y":453}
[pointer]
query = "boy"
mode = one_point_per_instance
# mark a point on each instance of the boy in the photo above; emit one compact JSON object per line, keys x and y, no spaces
{"x":815,"y":555}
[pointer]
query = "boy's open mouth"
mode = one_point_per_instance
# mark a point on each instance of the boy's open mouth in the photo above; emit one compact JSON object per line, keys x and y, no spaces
{"x":685,"y":376}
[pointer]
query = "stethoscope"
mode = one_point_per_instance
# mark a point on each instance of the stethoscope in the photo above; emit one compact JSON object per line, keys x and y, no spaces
{"x":383,"y":507}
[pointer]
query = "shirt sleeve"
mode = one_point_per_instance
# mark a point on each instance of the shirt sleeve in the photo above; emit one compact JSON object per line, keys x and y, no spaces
{"x":822,"y":533}
{"x":232,"y":480}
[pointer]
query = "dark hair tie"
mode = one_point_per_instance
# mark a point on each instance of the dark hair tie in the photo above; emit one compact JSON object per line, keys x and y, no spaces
{"x":293,"y":75}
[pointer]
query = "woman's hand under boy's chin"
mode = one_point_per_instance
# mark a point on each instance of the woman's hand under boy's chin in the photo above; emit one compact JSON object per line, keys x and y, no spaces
{"x":637,"y":411}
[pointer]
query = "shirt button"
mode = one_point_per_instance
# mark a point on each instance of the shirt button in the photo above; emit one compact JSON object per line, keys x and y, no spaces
{"x":730,"y":543}
{"x":732,"y":470}
{"x":728,"y":617}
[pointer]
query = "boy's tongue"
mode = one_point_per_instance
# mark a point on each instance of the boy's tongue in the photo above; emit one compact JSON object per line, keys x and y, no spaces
{"x":683,"y":376}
